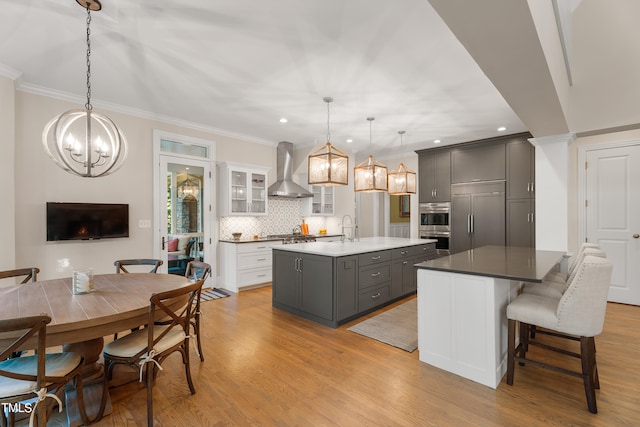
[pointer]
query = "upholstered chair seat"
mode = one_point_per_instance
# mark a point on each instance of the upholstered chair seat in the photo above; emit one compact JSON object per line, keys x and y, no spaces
{"x":56,"y":365}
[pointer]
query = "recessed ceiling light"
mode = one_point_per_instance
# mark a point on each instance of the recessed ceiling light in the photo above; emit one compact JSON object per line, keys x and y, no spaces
{"x":349,"y":141}
{"x":436,"y":141}
{"x":283,"y":120}
{"x":502,"y":129}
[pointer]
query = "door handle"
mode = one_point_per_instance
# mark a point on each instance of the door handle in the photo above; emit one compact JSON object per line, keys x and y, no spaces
{"x":635,"y":236}
{"x":472,"y":223}
{"x":163,"y":243}
{"x":468,"y":223}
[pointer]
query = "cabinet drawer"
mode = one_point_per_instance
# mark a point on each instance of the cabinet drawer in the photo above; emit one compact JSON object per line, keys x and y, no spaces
{"x":243,"y":248}
{"x":403,"y":252}
{"x":373,"y":297}
{"x":254,"y":276}
{"x":428,"y":249}
{"x":254,"y":259}
{"x":374,"y":258}
{"x":373,"y":275}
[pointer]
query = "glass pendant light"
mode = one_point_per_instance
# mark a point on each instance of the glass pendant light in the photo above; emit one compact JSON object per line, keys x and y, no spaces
{"x":402,"y":181}
{"x":83,"y":142}
{"x":328,"y":166}
{"x":370,"y":175}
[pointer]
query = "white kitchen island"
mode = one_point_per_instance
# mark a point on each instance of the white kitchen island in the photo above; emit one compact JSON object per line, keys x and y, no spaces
{"x":462,"y":300}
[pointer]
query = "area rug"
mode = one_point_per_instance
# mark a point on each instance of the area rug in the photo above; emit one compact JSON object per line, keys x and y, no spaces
{"x":397,"y":327}
{"x":212,"y":294}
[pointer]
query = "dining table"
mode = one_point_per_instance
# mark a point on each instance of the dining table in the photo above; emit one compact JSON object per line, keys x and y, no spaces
{"x":119,"y":302}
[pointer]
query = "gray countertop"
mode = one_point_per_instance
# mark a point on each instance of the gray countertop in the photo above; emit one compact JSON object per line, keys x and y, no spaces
{"x":272,"y":239}
{"x":364,"y":245}
{"x":506,"y":262}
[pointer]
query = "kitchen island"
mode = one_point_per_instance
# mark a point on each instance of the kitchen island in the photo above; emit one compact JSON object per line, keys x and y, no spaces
{"x":334,"y":282}
{"x":462,"y":300}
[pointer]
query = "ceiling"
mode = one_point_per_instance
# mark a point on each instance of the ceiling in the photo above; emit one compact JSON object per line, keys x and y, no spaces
{"x":237,"y":67}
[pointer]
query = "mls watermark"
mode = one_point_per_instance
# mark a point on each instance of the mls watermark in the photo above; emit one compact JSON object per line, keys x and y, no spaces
{"x":25,"y":408}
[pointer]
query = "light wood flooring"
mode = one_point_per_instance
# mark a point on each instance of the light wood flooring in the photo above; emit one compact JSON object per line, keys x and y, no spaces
{"x":265,"y":367}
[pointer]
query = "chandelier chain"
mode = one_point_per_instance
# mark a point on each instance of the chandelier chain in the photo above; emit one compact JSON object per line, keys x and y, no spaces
{"x":88,"y":105}
{"x":328,"y":120}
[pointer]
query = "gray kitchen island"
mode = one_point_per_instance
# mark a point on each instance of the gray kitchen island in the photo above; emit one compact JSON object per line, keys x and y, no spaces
{"x":334,"y":282}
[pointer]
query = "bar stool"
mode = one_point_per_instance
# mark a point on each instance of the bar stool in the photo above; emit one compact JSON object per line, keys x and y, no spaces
{"x":578,"y":314}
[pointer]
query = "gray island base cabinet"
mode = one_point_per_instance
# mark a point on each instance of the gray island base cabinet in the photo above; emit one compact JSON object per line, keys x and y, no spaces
{"x":333,"y":282}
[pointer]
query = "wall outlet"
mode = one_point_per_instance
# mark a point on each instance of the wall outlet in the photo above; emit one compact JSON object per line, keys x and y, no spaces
{"x":144,"y":223}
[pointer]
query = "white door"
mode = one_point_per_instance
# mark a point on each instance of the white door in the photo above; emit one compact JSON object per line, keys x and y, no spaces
{"x":612,"y":215}
{"x":184,"y":193}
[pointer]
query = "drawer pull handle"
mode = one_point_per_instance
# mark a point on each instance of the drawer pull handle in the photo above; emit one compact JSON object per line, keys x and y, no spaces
{"x":262,"y":259}
{"x":405,"y":263}
{"x":375,"y":274}
{"x":261,"y":275}
{"x":375,"y":257}
{"x":375,"y":296}
{"x":404,"y":252}
{"x":261,"y":247}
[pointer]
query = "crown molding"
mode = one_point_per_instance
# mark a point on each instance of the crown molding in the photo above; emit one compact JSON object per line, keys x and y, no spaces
{"x":9,"y":72}
{"x":136,"y":112}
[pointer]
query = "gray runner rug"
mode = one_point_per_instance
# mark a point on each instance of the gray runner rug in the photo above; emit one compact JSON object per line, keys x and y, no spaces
{"x":214,"y":293}
{"x":397,"y":327}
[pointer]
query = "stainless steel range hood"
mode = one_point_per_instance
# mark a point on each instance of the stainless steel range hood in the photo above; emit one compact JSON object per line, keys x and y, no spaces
{"x":284,"y":186}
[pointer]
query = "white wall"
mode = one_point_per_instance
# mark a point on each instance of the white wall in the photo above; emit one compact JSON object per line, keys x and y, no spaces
{"x":38,"y":180}
{"x":7,"y":137}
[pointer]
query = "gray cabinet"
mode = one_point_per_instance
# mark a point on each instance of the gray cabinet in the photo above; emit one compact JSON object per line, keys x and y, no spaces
{"x":520,"y":193}
{"x":478,"y":216}
{"x":403,"y":272}
{"x":346,"y":287}
{"x":434,"y":171}
{"x":520,"y":169}
{"x":304,"y":283}
{"x":521,"y":230}
{"x":478,"y":163}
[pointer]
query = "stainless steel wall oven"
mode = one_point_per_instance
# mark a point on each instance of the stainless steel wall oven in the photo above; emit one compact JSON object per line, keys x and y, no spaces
{"x":435,"y":224}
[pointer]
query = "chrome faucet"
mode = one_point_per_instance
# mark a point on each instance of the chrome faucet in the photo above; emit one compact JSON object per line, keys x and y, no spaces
{"x":349,"y":227}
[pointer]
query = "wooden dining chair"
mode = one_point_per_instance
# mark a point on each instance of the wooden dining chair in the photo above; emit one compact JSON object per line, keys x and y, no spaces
{"x":31,"y":274}
{"x":121,"y":264}
{"x":197,"y":270}
{"x":145,"y":350}
{"x":578,"y":315}
{"x":41,"y":375}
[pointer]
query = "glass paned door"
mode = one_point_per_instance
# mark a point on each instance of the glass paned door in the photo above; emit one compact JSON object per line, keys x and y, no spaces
{"x":185,"y":217}
{"x":258,"y":193}
{"x":239,"y":201}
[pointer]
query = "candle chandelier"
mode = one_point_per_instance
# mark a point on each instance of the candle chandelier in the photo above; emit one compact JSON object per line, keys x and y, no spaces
{"x":402,"y":181}
{"x":328,"y":166}
{"x":83,"y":142}
{"x":370,"y":175}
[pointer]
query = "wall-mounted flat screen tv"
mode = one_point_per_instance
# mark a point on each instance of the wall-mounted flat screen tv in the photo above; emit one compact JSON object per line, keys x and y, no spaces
{"x":86,"y":221}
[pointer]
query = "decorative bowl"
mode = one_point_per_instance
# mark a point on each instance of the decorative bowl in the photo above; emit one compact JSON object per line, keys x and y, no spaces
{"x":236,"y":236}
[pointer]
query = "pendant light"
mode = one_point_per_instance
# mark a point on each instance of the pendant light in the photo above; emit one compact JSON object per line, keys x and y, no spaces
{"x":83,"y":142}
{"x":328,"y":166}
{"x":402,"y":181}
{"x":370,"y":175}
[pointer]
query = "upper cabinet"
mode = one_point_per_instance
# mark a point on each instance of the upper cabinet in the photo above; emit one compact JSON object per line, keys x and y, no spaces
{"x":479,"y":163}
{"x":434,"y":171}
{"x":321,"y":204}
{"x":243,"y":189}
{"x":520,"y":169}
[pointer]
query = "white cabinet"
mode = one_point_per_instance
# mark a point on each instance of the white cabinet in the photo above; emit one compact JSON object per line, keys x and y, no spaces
{"x":245,"y":265}
{"x":243,"y":189}
{"x":321,"y":204}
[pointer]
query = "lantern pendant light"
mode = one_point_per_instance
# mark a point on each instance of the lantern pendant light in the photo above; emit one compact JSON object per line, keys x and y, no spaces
{"x":328,"y":166}
{"x":370,"y":175}
{"x":83,"y":142}
{"x":402,"y":181}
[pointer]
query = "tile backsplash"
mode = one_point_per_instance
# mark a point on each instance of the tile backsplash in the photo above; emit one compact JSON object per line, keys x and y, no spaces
{"x":283,"y":215}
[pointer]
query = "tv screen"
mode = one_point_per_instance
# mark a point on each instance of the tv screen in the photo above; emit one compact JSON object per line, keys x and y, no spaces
{"x":86,"y":221}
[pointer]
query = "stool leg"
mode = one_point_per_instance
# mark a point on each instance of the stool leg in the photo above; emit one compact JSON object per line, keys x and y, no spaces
{"x":587,"y":356}
{"x":511,"y":351}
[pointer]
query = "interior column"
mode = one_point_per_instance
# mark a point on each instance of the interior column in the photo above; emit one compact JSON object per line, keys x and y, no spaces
{"x":552,"y":209}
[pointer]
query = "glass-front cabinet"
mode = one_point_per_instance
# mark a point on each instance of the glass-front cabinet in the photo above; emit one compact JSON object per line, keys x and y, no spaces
{"x":243,"y":189}
{"x":321,"y":203}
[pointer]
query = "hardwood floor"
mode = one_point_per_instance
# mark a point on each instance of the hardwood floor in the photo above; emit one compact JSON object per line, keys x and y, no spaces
{"x":265,"y":367}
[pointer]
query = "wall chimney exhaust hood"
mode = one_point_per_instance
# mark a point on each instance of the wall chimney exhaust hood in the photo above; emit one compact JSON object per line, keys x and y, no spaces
{"x":284,"y":186}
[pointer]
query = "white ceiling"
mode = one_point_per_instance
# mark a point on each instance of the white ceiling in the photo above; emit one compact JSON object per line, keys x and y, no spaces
{"x":237,"y":67}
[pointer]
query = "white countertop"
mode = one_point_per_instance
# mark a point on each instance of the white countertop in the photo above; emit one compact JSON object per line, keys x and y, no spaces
{"x":364,"y":245}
